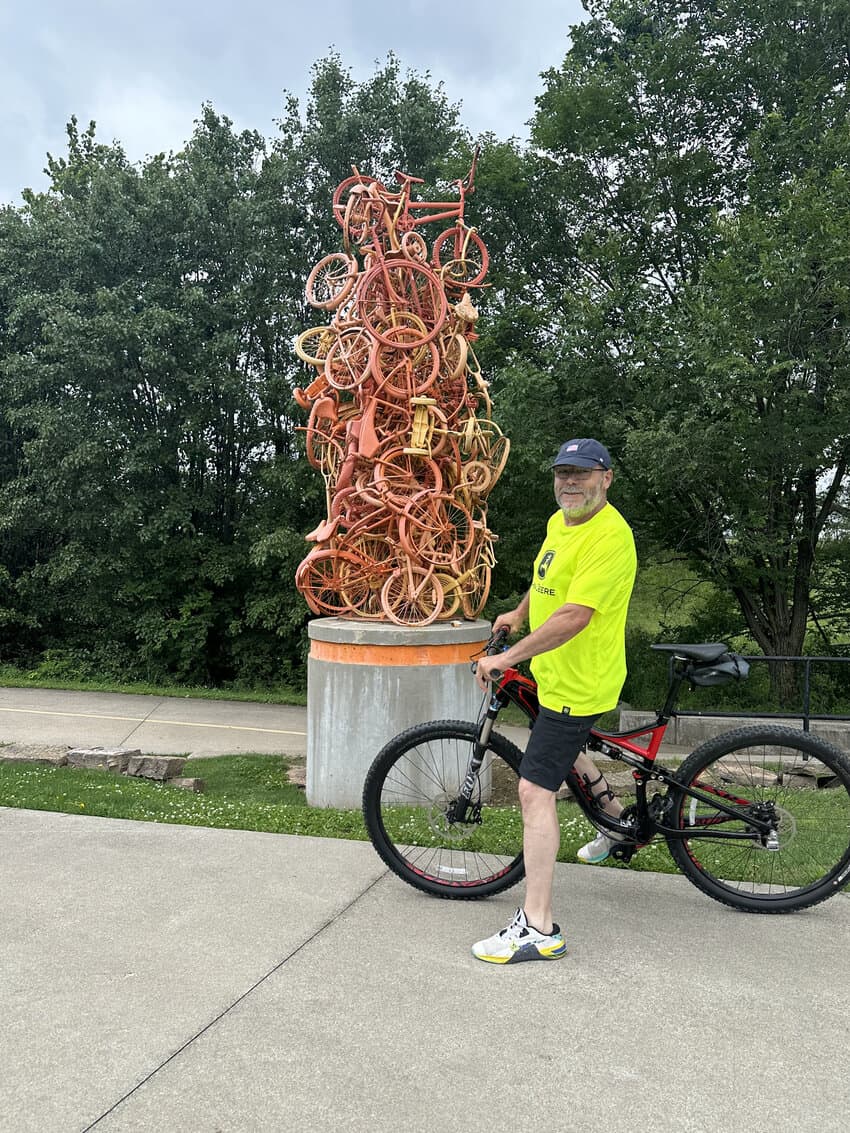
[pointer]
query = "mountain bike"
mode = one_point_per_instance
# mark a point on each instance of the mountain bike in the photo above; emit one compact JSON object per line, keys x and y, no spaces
{"x":757,"y":818}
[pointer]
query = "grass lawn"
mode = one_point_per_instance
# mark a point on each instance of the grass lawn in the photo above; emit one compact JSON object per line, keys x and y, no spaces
{"x":243,"y":792}
{"x":253,"y":792}
{"x":12,"y":677}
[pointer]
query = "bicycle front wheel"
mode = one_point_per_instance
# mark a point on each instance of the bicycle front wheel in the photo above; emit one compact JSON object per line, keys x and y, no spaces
{"x":408,"y":799}
{"x":796,"y":782}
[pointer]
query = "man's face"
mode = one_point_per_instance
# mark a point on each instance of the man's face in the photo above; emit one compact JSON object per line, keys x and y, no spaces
{"x":580,"y":492}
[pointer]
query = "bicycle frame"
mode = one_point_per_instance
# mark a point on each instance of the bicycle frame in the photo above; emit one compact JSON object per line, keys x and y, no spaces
{"x":399,"y":212}
{"x":645,"y":818}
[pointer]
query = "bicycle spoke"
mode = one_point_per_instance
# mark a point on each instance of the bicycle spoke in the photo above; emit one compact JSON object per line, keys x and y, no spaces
{"x":801,"y":801}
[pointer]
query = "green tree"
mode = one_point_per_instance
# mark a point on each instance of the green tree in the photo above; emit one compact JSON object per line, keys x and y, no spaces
{"x":688,"y":189}
{"x":153,"y":491}
{"x":133,"y":375}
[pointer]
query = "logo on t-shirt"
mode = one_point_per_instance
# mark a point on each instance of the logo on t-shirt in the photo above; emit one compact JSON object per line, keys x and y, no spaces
{"x":545,"y":563}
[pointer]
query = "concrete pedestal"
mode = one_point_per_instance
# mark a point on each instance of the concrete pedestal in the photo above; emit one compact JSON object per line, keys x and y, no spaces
{"x":368,"y":681}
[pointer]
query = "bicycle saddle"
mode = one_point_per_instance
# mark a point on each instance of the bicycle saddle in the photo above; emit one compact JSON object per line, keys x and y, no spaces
{"x":705,"y":654}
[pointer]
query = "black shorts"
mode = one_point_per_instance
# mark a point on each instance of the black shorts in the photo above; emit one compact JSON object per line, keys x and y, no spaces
{"x":553,"y":747}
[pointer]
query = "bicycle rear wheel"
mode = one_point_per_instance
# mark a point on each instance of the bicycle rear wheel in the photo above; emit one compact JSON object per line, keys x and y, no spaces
{"x":406,"y":797}
{"x":795,"y":780}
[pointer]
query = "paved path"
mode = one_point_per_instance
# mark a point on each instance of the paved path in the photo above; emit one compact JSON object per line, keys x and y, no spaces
{"x":158,"y":725}
{"x":157,"y":978}
{"x":166,"y":725}
{"x":160,"y":978}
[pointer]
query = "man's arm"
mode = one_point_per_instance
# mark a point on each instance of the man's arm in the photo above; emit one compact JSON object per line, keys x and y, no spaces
{"x":561,"y":626}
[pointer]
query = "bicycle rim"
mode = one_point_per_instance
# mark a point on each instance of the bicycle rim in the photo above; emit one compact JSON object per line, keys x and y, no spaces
{"x":802,"y":783}
{"x":407,"y":795}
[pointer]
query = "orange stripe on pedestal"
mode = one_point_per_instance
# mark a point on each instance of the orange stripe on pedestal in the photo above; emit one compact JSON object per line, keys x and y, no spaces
{"x":355,"y":654}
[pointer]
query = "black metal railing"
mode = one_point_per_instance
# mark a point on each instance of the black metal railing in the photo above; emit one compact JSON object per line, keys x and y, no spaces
{"x":805,"y":714}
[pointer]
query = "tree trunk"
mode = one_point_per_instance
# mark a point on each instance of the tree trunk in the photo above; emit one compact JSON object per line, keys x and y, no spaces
{"x":779,"y":630}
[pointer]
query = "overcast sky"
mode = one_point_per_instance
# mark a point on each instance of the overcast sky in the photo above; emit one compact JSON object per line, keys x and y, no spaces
{"x":142,"y":70}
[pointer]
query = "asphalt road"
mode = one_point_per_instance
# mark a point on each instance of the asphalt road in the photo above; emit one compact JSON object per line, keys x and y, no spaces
{"x":157,"y":725}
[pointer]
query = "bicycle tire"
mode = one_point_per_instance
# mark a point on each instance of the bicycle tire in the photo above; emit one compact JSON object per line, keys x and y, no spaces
{"x":401,"y":287}
{"x":435,"y":528}
{"x":312,"y":345}
{"x":758,"y":763}
{"x":459,"y":256}
{"x":343,"y":192}
{"x":331,"y":281}
{"x":322,"y":578}
{"x":405,"y":794}
{"x":346,"y":364}
{"x":412,"y":596}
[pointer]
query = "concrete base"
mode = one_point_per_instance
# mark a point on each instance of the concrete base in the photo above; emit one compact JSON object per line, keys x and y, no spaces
{"x":368,"y":681}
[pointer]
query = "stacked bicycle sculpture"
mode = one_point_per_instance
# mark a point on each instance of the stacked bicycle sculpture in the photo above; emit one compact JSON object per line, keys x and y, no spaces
{"x":399,"y":415}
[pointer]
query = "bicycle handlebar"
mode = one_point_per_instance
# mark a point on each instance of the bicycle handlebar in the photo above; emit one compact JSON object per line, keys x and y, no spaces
{"x":495,"y":645}
{"x":468,"y":181}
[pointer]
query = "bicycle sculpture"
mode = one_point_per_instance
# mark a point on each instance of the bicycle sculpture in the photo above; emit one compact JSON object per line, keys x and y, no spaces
{"x":400,"y":422}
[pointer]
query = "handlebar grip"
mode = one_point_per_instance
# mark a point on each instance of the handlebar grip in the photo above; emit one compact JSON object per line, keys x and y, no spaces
{"x":498,"y":642}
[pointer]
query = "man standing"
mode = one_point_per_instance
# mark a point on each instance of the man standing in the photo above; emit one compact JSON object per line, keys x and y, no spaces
{"x":576,"y":609}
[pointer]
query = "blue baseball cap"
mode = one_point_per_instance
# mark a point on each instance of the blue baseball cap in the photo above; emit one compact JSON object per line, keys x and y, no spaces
{"x":583,"y":453}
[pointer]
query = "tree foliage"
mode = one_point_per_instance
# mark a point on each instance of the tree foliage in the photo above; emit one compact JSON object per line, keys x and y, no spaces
{"x":689,"y":178}
{"x":670,"y":272}
{"x":153,"y":495}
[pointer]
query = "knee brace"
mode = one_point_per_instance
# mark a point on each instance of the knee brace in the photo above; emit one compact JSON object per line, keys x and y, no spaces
{"x":604,"y":795}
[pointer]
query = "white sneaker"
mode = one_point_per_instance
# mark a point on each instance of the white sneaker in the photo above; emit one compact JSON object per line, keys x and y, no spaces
{"x":598,"y":850}
{"x":518,"y":942}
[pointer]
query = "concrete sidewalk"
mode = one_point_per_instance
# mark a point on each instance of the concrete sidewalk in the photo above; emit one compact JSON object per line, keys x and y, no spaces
{"x":157,"y":977}
{"x":163,"y":978}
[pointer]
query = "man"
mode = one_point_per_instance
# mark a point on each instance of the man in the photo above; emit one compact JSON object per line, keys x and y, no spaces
{"x":576,"y":609}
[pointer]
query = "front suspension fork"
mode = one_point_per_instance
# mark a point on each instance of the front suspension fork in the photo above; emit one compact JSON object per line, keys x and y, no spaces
{"x":457,"y":809}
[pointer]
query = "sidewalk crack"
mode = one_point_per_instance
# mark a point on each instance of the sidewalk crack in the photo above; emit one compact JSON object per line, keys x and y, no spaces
{"x":239,"y":999}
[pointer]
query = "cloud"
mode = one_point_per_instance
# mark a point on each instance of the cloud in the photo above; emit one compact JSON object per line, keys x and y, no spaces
{"x":142,"y":73}
{"x":24,"y":132}
{"x":144,"y":114}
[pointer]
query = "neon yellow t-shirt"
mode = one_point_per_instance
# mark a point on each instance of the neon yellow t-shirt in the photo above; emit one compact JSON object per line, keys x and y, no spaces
{"x":592,"y":564}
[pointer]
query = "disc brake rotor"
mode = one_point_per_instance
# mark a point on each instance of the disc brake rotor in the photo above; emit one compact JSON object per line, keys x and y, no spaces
{"x":440,"y":825}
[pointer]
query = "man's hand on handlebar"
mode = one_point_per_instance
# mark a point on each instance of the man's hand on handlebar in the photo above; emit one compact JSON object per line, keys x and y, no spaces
{"x":488,"y":669}
{"x":512,"y":622}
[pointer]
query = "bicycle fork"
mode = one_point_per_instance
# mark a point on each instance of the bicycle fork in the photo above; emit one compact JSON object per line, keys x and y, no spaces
{"x":458,"y":809}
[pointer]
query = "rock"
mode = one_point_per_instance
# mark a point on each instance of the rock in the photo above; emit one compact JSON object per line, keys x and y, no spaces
{"x":810,"y":768}
{"x":158,"y":767}
{"x":828,"y":782}
{"x":808,"y":775}
{"x":196,"y":785}
{"x":34,"y":753}
{"x":800,"y":782}
{"x":620,"y":782}
{"x":102,"y":758}
{"x":296,"y":774}
{"x":733,"y":771}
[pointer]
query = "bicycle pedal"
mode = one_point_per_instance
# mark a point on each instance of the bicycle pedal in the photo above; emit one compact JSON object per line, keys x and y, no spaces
{"x":624,"y":851}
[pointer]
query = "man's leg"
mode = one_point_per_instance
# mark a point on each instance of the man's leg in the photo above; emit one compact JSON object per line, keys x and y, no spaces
{"x":555,"y":741}
{"x":600,"y":848}
{"x":541,"y":839}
